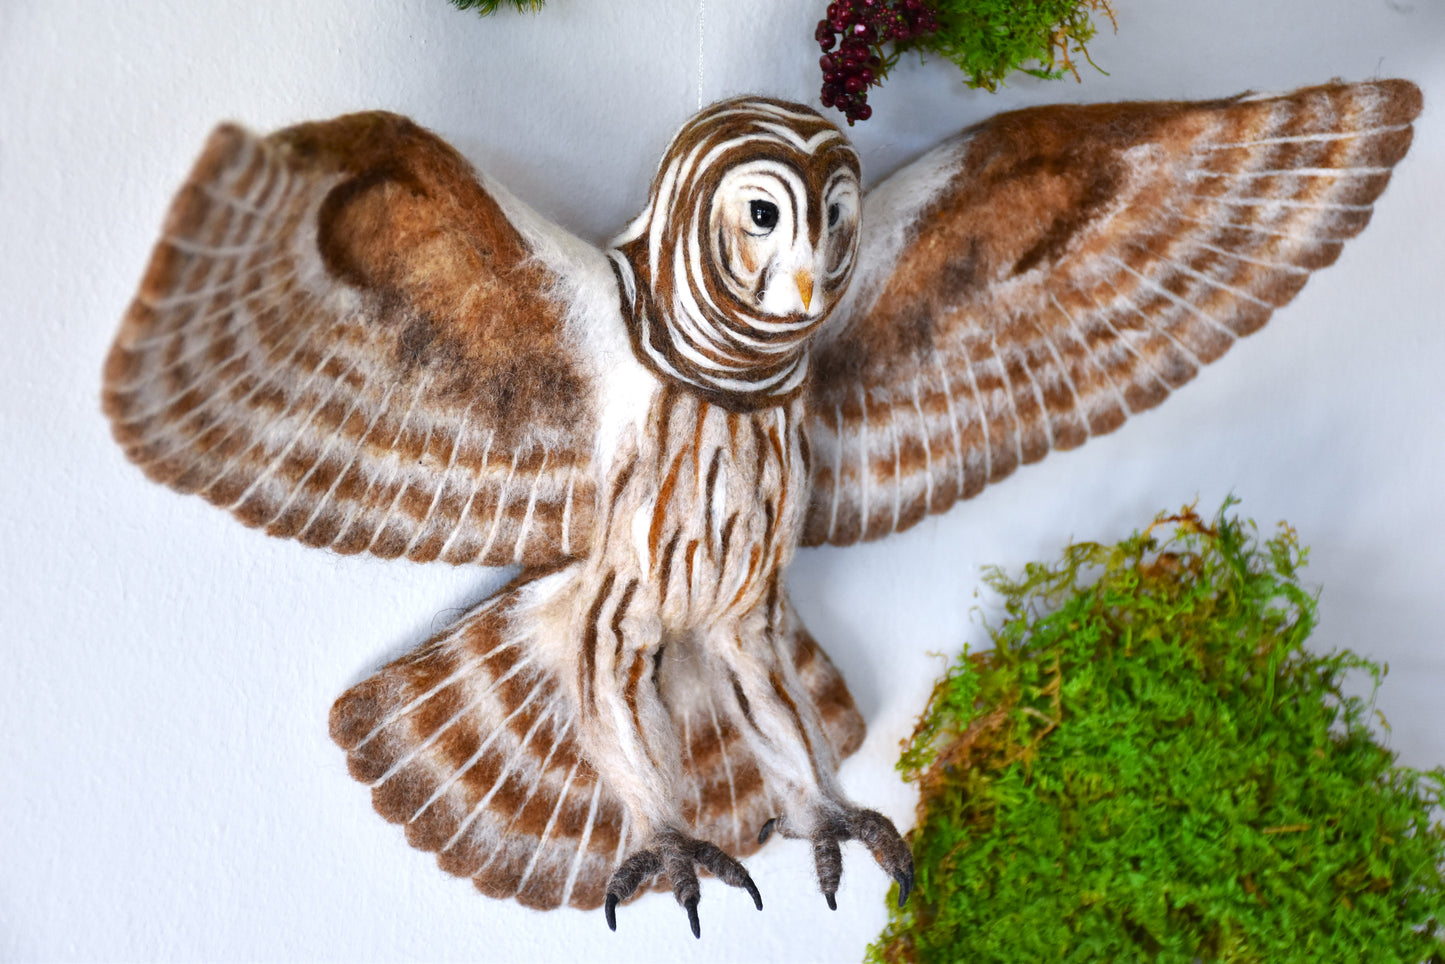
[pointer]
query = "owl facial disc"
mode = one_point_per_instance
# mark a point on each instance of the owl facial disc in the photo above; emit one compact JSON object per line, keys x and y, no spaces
{"x":775,"y":241}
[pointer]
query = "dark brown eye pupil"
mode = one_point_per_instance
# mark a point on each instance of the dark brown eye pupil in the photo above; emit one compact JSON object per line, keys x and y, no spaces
{"x":834,"y":212}
{"x":764,"y":214}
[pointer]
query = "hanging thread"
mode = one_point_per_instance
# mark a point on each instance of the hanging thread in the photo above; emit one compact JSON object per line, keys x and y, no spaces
{"x":701,"y":20}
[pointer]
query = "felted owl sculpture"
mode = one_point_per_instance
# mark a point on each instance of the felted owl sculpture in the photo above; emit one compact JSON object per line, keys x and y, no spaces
{"x":347,"y":336}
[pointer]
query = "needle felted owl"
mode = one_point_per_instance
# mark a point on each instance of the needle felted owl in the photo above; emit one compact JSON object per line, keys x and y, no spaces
{"x":348,"y":337}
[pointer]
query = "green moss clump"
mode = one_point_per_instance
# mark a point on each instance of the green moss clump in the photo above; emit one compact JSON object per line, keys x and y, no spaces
{"x":1149,"y":766}
{"x":989,"y":39}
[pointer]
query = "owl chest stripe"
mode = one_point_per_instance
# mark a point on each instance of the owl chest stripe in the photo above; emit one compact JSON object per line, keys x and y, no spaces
{"x":617,"y":616}
{"x":727,"y":535}
{"x":586,"y":682}
{"x":748,"y":580}
{"x":664,"y":502}
{"x":619,"y":486}
{"x":664,"y":578}
{"x":711,"y":486}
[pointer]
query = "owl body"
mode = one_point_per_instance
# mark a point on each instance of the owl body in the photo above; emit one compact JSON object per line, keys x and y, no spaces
{"x":683,"y":591}
{"x":348,"y":337}
{"x":717,"y":500}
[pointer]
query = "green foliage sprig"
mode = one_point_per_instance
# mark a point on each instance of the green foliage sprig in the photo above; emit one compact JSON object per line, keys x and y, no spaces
{"x":485,"y":7}
{"x":990,"y":39}
{"x":1149,"y":766}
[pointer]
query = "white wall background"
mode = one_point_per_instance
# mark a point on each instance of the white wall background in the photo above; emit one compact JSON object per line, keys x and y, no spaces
{"x":167,"y":787}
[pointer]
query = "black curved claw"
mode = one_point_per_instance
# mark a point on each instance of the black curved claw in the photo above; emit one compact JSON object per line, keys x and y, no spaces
{"x":631,"y":874}
{"x":832,"y":901}
{"x":752,"y":890}
{"x":767,"y":830}
{"x":691,"y":905}
{"x":905,"y":885}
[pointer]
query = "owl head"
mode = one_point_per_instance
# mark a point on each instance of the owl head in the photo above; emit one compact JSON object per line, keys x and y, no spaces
{"x":745,"y":246}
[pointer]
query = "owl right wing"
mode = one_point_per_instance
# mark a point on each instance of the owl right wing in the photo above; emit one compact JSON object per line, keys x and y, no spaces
{"x":1035,"y":280}
{"x":345,"y":337}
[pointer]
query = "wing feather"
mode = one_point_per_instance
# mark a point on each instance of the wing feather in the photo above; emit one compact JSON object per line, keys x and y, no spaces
{"x":1034,"y":281}
{"x":345,"y":337}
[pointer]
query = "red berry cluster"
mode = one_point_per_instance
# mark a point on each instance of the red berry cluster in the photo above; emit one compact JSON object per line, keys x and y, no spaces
{"x":864,"y":26}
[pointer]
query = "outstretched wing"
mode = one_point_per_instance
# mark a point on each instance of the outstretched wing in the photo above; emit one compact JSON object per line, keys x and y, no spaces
{"x":345,"y":338}
{"x":1035,"y":280}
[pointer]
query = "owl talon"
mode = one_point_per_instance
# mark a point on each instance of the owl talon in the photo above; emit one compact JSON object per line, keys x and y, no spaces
{"x":828,"y":860}
{"x":877,"y":833}
{"x":874,"y":831}
{"x":767,"y":830}
{"x":676,"y":855}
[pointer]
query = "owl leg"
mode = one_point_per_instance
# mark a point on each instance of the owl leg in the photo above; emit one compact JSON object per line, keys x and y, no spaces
{"x":677,"y":855}
{"x":631,"y":739}
{"x":798,"y":719}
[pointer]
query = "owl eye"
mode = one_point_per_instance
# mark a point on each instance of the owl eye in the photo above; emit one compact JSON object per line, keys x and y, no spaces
{"x":764,"y":214}
{"x":834,"y":213}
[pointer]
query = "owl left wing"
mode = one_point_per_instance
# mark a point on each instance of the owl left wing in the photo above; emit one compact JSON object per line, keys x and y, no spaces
{"x":1037,"y":279}
{"x":346,"y":337}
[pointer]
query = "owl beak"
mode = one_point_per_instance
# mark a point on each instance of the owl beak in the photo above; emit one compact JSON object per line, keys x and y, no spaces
{"x":804,"y":281}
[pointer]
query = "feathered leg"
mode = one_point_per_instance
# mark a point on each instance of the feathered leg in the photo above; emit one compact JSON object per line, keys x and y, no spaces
{"x":784,"y":723}
{"x":633,"y":741}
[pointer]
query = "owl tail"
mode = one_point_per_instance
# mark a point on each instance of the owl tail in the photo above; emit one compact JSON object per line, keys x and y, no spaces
{"x":471,"y":742}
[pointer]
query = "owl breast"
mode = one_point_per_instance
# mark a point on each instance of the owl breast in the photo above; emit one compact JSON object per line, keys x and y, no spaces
{"x":710,"y":505}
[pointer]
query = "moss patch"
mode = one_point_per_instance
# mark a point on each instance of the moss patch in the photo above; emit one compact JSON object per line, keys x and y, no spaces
{"x":485,"y":7}
{"x":989,"y":39}
{"x":1149,"y":766}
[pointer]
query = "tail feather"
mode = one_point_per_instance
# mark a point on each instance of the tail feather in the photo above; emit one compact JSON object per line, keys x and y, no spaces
{"x":829,"y":693}
{"x":471,"y":743}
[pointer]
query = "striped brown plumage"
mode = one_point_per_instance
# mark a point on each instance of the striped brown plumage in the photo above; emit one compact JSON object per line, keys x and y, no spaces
{"x":332,"y":358}
{"x":1080,"y":264}
{"x":347,"y":337}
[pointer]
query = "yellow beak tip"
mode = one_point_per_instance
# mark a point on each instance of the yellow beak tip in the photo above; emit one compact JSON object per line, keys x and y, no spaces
{"x":804,"y":281}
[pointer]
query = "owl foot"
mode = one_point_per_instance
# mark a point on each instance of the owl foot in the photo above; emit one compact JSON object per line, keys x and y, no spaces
{"x":868,"y":827}
{"x":677,"y":855}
